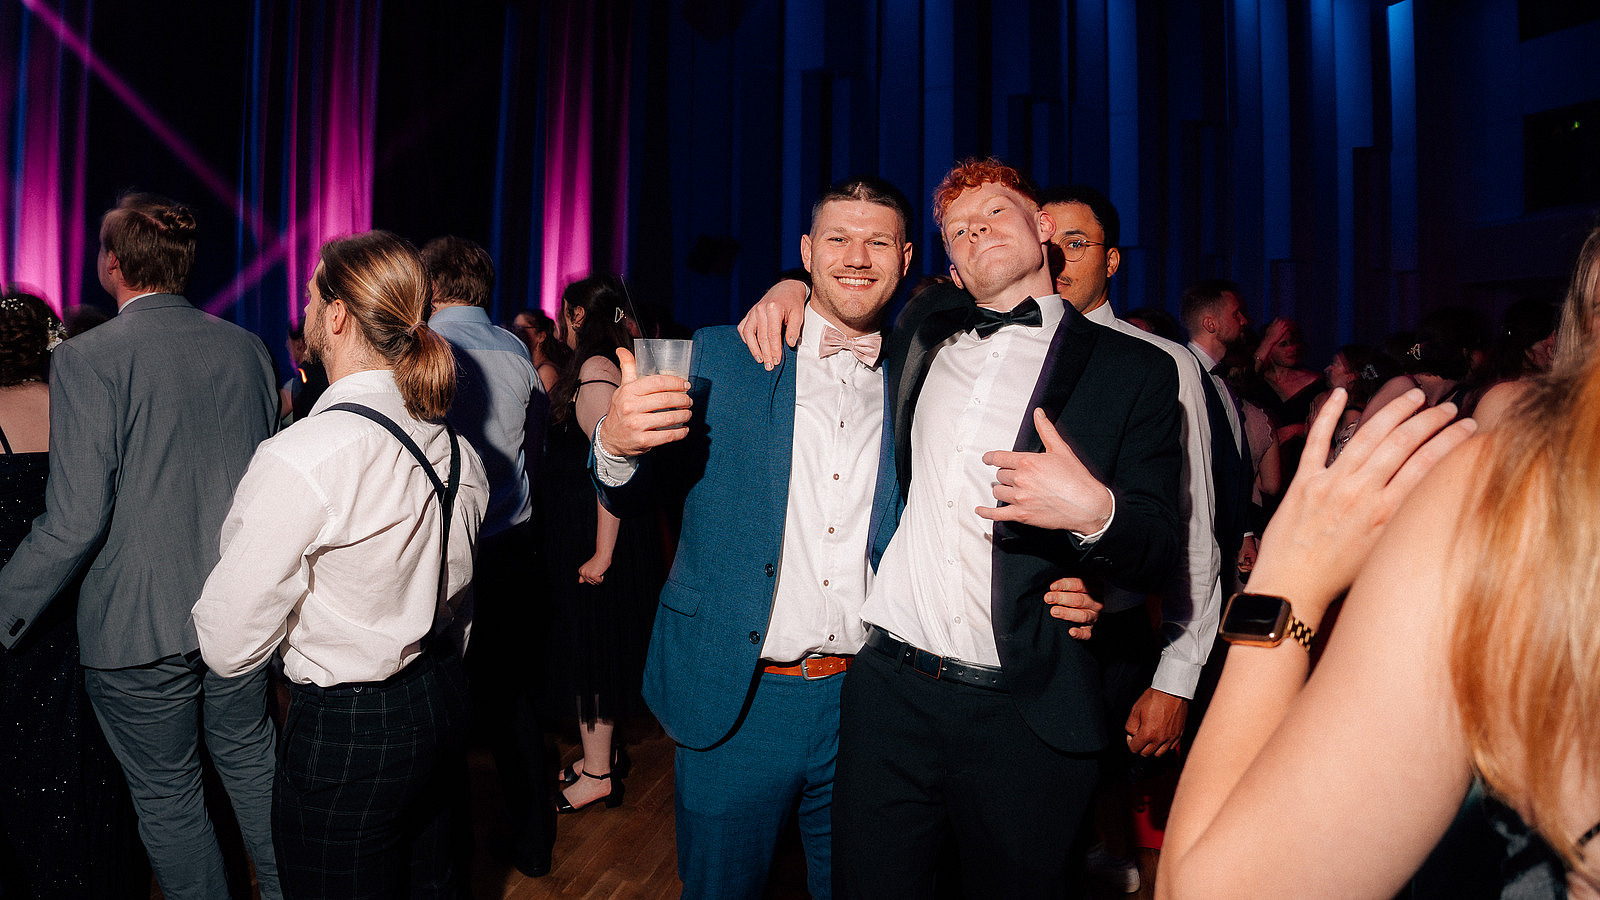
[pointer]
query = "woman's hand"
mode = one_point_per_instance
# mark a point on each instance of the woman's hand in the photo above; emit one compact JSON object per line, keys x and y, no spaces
{"x":594,"y":571}
{"x":1332,"y":515}
{"x":1276,"y":330}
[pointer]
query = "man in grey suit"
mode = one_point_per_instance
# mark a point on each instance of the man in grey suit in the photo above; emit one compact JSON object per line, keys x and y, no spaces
{"x":153,"y":419}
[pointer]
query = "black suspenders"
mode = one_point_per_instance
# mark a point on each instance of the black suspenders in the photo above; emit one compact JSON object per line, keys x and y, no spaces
{"x":445,"y":493}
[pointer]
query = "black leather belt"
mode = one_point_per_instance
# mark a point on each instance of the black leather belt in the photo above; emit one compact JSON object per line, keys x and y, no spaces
{"x":943,"y":668}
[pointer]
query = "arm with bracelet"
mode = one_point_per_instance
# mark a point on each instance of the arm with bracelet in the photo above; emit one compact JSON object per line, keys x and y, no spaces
{"x":1338,"y":785}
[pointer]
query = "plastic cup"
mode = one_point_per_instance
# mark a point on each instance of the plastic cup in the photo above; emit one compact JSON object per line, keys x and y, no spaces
{"x":663,"y":356}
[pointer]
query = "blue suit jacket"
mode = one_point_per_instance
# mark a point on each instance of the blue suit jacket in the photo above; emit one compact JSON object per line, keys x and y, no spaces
{"x":732,"y":474}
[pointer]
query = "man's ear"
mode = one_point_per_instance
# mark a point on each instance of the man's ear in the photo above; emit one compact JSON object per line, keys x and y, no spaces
{"x":1113,"y":260}
{"x":905,"y":259}
{"x":1047,"y":227}
{"x":337,"y":316}
{"x":956,"y":277}
{"x":805,"y":251}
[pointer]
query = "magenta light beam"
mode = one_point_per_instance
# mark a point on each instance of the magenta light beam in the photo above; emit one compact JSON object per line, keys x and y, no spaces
{"x":180,"y":148}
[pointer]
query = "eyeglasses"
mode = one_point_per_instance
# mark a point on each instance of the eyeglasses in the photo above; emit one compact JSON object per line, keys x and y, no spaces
{"x":1074,"y":250}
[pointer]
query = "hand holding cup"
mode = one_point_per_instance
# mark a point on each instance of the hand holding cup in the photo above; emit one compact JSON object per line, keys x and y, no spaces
{"x":648,"y":410}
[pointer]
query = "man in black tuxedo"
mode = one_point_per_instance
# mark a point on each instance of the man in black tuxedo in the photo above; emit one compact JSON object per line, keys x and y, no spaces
{"x":971,"y":713}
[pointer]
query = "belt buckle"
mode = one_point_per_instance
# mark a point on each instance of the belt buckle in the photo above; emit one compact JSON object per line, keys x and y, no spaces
{"x":805,"y":669}
{"x":918,"y":655}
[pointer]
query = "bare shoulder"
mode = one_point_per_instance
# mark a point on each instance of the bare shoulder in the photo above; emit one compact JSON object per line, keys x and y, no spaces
{"x":1499,"y":400}
{"x":598,"y":368}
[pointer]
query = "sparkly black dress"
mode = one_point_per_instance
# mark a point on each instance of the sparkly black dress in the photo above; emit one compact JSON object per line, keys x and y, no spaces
{"x":66,"y":822}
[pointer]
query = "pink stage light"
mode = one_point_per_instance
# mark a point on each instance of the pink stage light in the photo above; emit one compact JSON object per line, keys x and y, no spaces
{"x":158,"y":126}
{"x":569,"y":159}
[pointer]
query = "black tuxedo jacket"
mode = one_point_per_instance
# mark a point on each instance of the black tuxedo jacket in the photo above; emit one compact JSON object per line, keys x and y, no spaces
{"x":1114,"y":399}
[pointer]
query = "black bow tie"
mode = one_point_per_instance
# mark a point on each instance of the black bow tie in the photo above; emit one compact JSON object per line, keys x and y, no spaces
{"x":984,"y":321}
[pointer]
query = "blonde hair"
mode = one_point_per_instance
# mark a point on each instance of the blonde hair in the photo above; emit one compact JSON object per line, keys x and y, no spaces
{"x":382,"y":282}
{"x":1525,"y":654}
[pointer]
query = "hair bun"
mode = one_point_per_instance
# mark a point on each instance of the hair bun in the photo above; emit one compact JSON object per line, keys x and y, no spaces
{"x":179,"y":220}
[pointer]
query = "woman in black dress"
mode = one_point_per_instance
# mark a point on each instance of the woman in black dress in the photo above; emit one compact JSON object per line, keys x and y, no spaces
{"x":605,"y":573}
{"x":66,"y":822}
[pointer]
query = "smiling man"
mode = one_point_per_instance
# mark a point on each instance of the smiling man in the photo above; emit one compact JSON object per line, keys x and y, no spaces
{"x":761,"y":615}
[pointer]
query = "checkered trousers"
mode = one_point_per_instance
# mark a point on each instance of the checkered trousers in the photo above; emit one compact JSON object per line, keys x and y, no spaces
{"x":361,"y":804}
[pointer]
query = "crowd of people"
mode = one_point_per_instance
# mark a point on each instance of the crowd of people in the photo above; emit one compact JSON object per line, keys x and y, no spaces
{"x":949,"y":591}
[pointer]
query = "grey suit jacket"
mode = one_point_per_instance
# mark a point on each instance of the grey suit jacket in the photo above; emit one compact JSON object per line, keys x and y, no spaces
{"x":153,"y":419}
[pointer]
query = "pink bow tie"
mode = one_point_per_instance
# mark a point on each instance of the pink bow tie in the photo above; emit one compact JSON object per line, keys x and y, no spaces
{"x":865,"y":347}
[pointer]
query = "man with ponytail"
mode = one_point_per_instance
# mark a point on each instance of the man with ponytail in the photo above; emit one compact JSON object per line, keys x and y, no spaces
{"x":347,"y":551}
{"x":154,"y":416}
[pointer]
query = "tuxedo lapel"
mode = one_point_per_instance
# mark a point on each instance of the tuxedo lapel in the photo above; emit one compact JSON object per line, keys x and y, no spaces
{"x":924,"y":346}
{"x":1063,"y":367}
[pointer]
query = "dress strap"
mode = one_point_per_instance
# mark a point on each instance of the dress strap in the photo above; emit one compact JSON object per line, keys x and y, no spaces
{"x":5,"y":443}
{"x":599,"y":381}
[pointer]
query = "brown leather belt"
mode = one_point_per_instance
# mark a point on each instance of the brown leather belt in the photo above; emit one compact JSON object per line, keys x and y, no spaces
{"x":811,"y":668}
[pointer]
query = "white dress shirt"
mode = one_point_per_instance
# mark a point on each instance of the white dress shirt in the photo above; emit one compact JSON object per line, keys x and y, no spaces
{"x":933,"y":587}
{"x":833,"y":472}
{"x":332,"y":545}
{"x":1191,"y":602}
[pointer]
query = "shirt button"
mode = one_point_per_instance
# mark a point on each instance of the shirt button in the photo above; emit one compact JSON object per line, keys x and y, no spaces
{"x":824,"y":582}
{"x":770,"y":570}
{"x":830,"y":529}
{"x":960,"y":448}
{"x":949,"y":503}
{"x":841,"y":424}
{"x":832,"y":638}
{"x":995,"y":355}
{"x":755,"y":637}
{"x":958,"y":620}
{"x":836,"y":476}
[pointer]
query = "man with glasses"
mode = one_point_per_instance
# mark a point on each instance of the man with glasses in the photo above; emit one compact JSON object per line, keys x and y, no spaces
{"x":1149,"y":681}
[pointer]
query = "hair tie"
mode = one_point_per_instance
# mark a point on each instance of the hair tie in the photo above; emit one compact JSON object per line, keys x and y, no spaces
{"x":412,"y":331}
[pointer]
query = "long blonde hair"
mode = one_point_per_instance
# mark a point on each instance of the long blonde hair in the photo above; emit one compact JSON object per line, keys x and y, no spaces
{"x":381,"y":279}
{"x":1525,"y":654}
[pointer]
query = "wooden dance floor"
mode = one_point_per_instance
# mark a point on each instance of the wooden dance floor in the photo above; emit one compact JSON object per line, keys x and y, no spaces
{"x":630,"y":853}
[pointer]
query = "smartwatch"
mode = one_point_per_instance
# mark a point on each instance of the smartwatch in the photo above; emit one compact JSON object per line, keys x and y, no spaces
{"x":1262,"y":620}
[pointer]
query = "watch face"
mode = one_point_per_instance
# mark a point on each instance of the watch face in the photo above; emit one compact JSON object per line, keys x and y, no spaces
{"x":1255,"y":619}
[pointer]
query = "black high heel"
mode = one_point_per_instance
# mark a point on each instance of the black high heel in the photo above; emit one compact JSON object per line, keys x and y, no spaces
{"x":612,"y":800}
{"x":621,"y":765}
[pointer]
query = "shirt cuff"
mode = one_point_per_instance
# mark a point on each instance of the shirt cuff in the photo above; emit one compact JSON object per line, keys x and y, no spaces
{"x":1084,"y":540}
{"x":1176,"y":676}
{"x":613,"y":471}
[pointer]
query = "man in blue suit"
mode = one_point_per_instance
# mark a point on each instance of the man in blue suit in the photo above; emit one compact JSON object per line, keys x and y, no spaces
{"x":760,"y":615}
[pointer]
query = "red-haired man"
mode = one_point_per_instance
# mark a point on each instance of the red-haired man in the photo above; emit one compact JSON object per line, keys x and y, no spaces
{"x":1031,"y":445}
